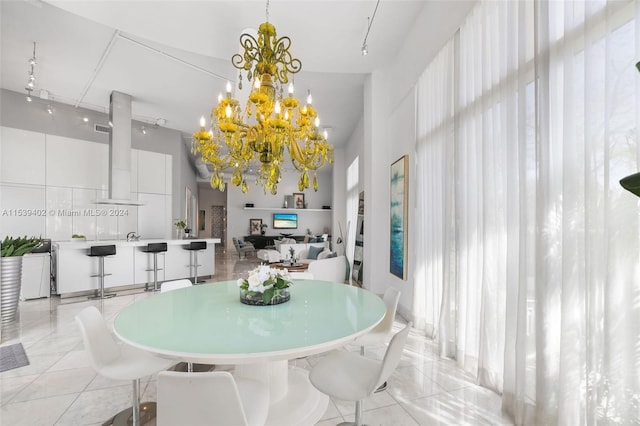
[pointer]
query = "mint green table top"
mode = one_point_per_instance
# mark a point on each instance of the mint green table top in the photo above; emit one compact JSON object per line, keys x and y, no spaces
{"x":207,"y":323}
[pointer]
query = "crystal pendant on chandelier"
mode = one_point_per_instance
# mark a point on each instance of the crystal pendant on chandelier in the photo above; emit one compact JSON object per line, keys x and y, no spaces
{"x":270,"y":124}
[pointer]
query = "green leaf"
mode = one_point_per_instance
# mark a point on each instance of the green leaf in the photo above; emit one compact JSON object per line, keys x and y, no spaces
{"x":268,"y":295}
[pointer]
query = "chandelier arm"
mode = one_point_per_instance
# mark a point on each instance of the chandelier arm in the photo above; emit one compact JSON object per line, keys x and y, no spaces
{"x":251,"y":53}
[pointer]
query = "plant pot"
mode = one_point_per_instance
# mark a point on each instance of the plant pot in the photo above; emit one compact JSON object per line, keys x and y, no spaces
{"x":10,"y":287}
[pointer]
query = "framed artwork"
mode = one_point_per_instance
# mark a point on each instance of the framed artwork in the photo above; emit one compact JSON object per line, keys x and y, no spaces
{"x":298,"y":200}
{"x":399,"y":186}
{"x":255,"y":226}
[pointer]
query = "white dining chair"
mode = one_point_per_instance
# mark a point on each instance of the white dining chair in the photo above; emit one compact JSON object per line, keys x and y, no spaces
{"x":213,"y":398}
{"x":119,"y":362}
{"x":379,"y":334}
{"x":175,"y":285}
{"x":331,"y":269}
{"x":351,"y":377}
{"x":301,"y":275}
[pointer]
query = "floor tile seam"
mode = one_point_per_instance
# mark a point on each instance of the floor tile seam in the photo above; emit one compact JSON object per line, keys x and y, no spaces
{"x":44,"y":397}
{"x":67,"y":409}
{"x":20,"y":389}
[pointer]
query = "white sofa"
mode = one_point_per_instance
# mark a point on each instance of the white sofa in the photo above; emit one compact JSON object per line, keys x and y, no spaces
{"x":301,"y":250}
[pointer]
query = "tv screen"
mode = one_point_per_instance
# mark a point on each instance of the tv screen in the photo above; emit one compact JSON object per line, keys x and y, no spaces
{"x":285,"y":220}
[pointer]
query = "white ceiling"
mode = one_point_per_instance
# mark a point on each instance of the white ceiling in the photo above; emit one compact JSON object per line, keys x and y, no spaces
{"x":173,"y":57}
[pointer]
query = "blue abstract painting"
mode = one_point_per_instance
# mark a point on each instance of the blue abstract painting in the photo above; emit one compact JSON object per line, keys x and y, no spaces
{"x":398,"y":205}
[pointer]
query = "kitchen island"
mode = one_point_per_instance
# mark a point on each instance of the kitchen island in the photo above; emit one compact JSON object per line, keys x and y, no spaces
{"x":75,"y":271}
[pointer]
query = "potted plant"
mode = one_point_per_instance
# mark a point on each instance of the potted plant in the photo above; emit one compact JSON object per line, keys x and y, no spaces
{"x":12,"y":250}
{"x":180,"y":225}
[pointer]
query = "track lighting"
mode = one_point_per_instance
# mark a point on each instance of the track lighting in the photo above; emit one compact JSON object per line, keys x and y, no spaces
{"x":32,"y":76}
{"x":85,"y":119}
{"x":50,"y":109}
{"x":365,"y":50}
{"x":143,"y":130}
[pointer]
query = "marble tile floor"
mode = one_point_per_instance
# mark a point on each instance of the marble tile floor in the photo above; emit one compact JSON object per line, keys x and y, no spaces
{"x":60,"y":388}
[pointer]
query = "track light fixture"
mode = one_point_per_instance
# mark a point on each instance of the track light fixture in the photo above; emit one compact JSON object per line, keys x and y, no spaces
{"x":365,"y":50}
{"x":50,"y":109}
{"x":143,"y":130}
{"x":31,"y":82}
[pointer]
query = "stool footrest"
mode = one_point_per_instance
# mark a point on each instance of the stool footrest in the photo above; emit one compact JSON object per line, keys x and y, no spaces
{"x":98,"y":275}
{"x":151,"y":270}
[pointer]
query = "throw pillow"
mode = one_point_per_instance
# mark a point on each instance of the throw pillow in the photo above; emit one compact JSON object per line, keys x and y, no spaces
{"x":324,"y":254}
{"x":314,"y":252}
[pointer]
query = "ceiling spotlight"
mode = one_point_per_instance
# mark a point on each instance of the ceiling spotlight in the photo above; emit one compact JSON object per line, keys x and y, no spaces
{"x":49,"y":109}
{"x":29,"y":97}
{"x":143,"y":130}
{"x":364,"y":49}
{"x":85,"y":119}
{"x":30,"y":84}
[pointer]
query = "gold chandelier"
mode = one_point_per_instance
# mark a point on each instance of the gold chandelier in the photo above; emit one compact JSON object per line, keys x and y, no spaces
{"x":270,"y":121}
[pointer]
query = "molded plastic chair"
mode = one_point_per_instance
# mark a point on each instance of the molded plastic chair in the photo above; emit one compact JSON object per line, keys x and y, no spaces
{"x":213,"y":398}
{"x":331,"y":269}
{"x":301,"y":275}
{"x":352,"y":377}
{"x":119,"y":362}
{"x":174,"y":285}
{"x":380,"y":332}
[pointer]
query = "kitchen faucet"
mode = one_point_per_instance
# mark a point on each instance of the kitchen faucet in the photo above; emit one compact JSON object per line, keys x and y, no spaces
{"x":131,"y":236}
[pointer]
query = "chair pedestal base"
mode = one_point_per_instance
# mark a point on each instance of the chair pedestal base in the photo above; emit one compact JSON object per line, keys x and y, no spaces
{"x":125,"y":417}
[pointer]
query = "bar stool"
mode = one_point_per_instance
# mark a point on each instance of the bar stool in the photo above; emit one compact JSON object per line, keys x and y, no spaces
{"x":101,"y":252}
{"x":194,"y":247}
{"x":154,"y":248}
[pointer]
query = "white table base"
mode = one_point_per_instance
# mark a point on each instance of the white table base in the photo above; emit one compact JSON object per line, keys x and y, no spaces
{"x":294,"y":400}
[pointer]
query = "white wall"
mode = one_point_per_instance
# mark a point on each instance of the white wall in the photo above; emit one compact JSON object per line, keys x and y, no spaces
{"x":238,"y":217}
{"x":86,"y":146}
{"x":389,"y":129}
{"x":48,"y":184}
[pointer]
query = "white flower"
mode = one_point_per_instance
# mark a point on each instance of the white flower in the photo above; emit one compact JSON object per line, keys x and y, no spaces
{"x":240,"y":282}
{"x":255,"y":283}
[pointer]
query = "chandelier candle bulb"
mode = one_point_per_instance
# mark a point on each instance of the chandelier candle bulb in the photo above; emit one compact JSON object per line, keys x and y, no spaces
{"x":268,"y":125}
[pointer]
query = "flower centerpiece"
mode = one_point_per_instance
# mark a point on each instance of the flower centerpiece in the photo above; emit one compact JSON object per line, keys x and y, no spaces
{"x":265,"y":286}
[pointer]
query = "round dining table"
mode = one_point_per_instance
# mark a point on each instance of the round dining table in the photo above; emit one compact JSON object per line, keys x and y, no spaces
{"x":208,"y":324}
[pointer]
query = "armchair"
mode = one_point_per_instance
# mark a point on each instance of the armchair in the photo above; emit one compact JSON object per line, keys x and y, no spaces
{"x":243,"y":248}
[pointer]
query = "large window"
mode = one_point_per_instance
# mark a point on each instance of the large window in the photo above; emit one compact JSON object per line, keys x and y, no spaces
{"x":529,"y":274}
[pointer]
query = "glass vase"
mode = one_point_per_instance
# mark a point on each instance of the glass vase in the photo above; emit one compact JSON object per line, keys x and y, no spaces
{"x":257,"y":299}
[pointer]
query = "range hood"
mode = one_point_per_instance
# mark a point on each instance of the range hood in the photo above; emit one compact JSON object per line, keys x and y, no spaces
{"x":119,"y":152}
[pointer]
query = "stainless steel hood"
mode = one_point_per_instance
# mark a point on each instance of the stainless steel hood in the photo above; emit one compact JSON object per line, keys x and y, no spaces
{"x":119,"y":152}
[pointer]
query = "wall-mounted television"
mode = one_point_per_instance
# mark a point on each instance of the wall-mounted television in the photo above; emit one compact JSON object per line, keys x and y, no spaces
{"x":285,"y":221}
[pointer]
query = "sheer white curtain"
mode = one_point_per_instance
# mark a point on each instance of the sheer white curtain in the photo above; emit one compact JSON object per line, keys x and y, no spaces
{"x":531,"y":271}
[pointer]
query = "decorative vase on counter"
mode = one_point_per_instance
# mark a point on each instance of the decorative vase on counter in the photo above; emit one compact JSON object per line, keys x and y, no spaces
{"x":10,"y":287}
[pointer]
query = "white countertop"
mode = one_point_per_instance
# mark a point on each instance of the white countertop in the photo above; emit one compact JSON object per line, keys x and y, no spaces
{"x":84,"y":244}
